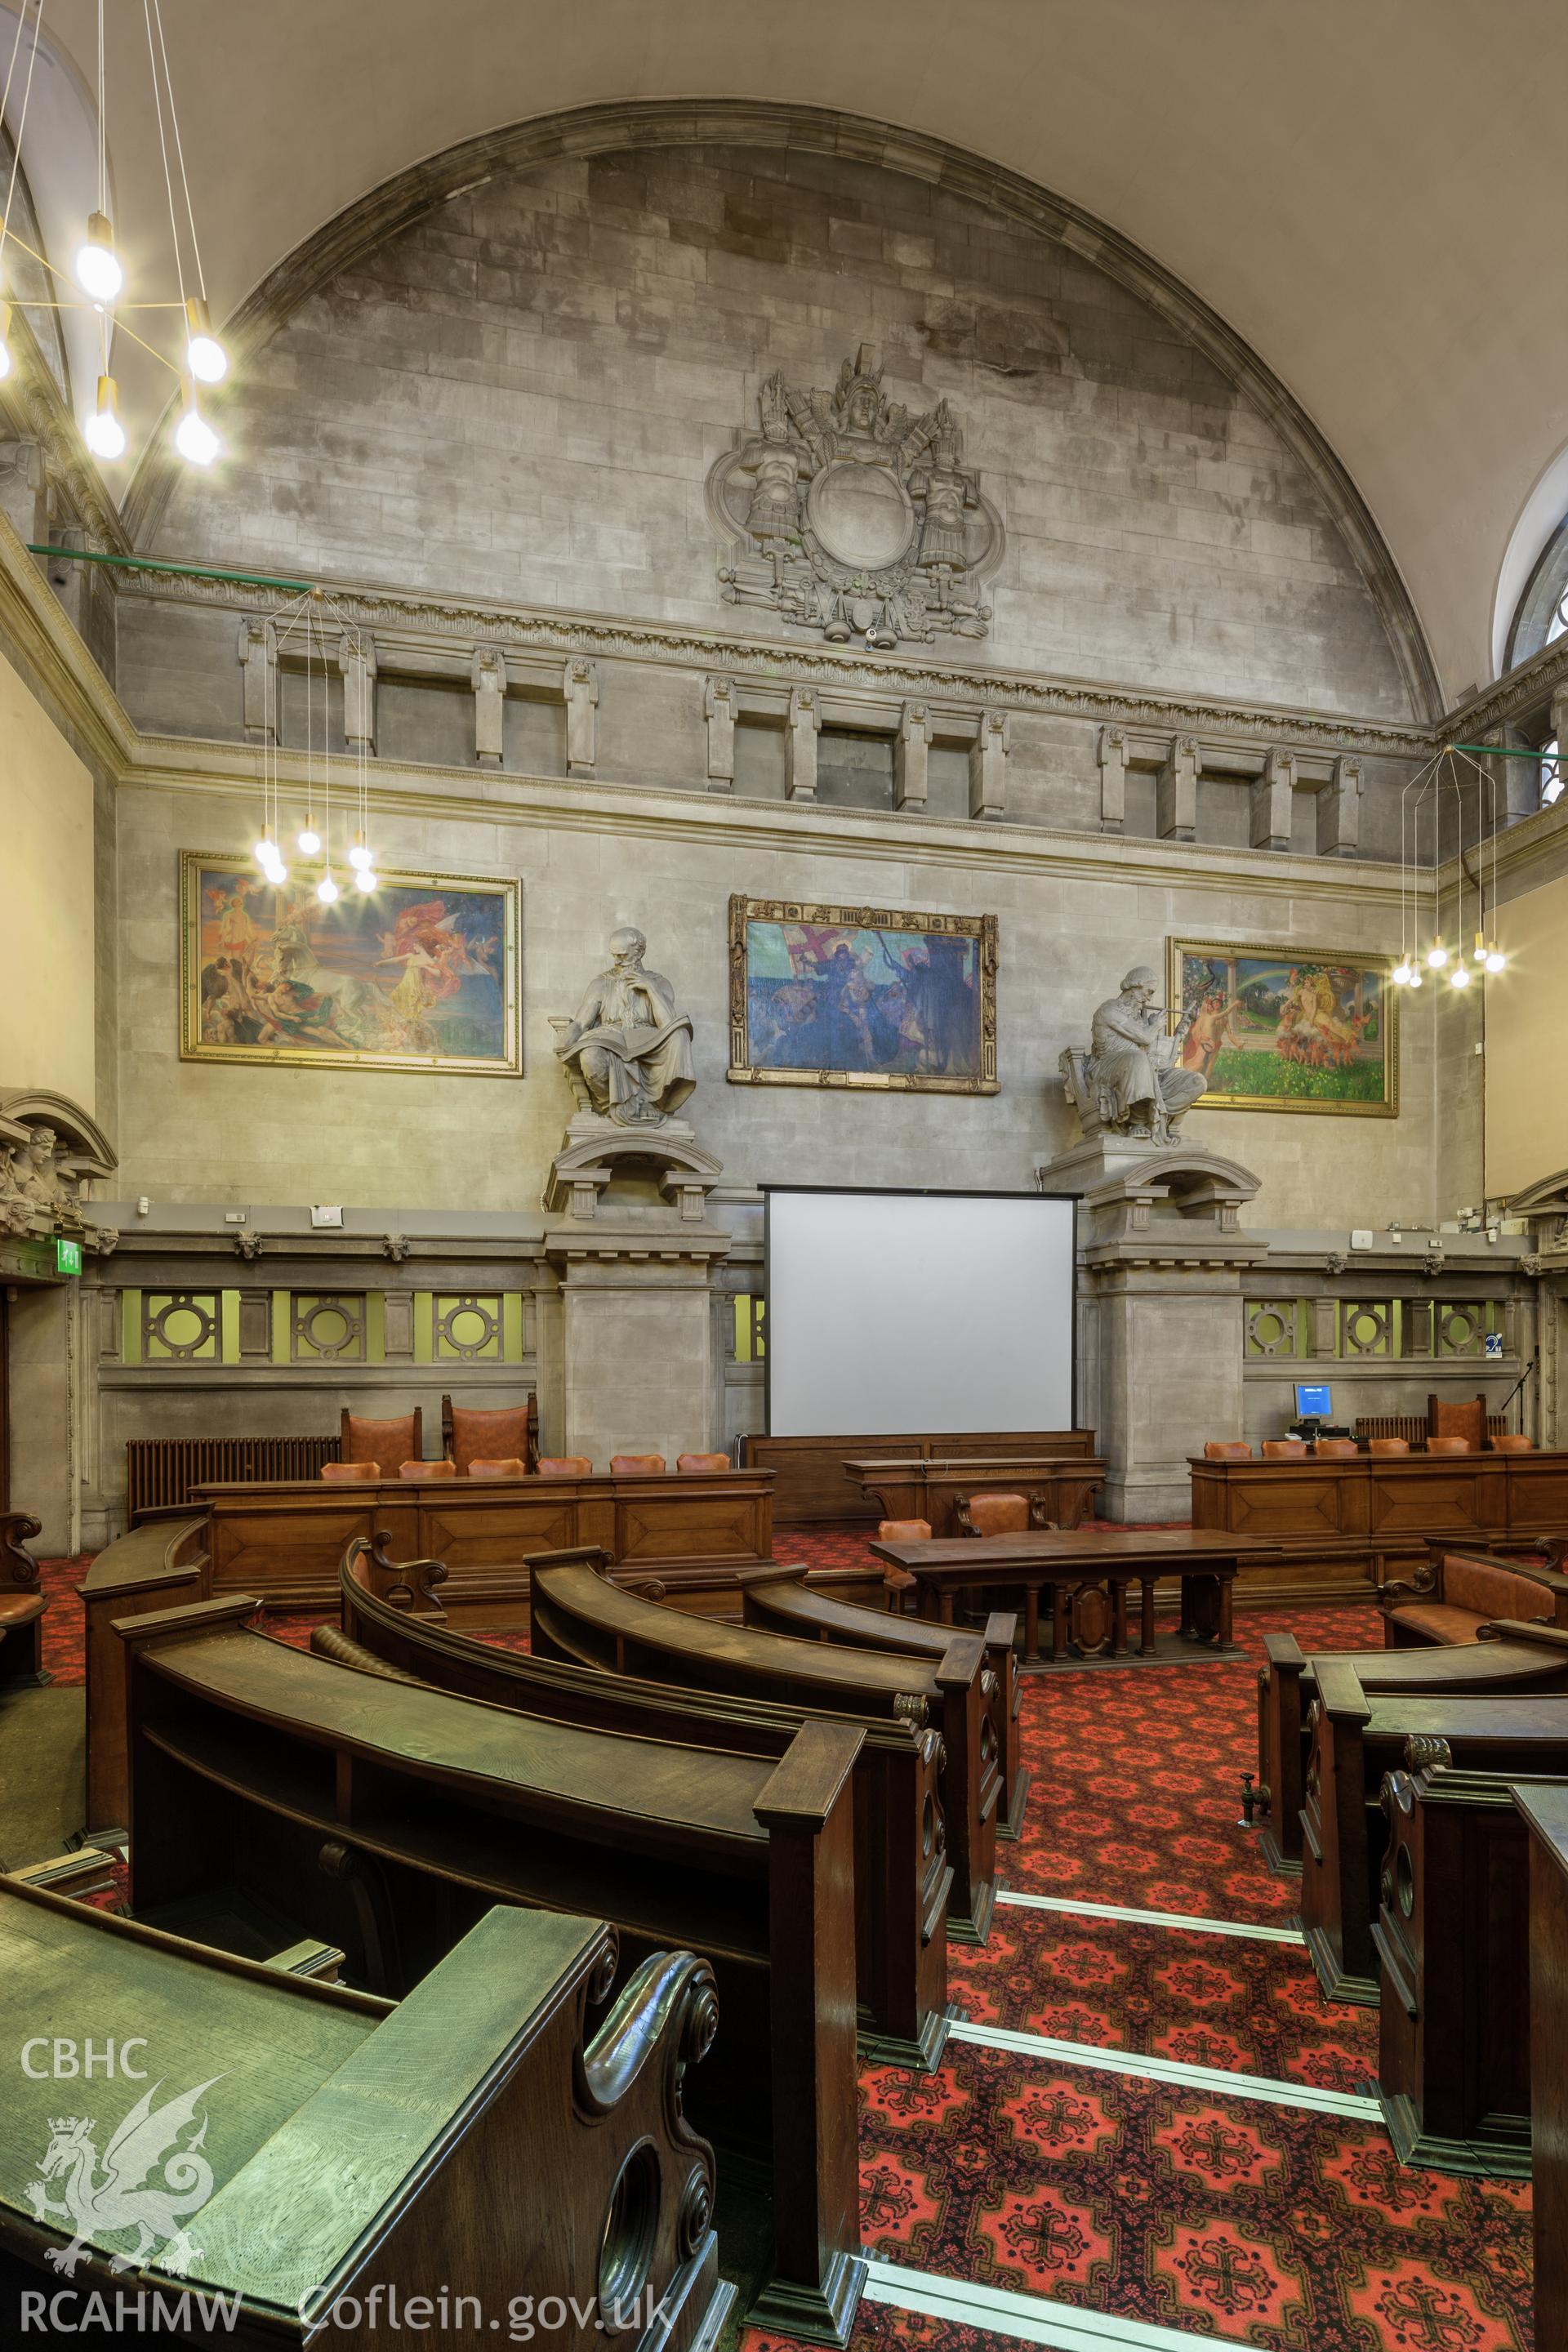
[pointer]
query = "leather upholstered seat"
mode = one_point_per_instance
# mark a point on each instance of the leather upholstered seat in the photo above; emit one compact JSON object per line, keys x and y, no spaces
{"x":492,"y":1436}
{"x":635,"y":1465}
{"x":1284,"y":1449}
{"x":1388,"y":1445}
{"x":564,"y":1465}
{"x":423,"y":1473}
{"x":1227,"y":1449}
{"x":995,"y":1515}
{"x":385,"y":1443}
{"x":511,"y":1468}
{"x":702,"y":1461}
{"x":896,"y":1582}
{"x":1459,"y":1593}
{"x":346,"y":1473}
{"x":1336,"y":1449}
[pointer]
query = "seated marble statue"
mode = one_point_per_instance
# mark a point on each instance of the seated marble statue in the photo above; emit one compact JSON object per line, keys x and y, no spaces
{"x":1131,"y":1069}
{"x":630,"y":1046}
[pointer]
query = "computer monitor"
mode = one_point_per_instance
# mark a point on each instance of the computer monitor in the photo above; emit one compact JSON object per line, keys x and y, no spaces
{"x":1313,"y":1402}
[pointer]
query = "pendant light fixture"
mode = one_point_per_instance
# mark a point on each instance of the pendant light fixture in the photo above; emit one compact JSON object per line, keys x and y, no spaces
{"x":97,"y":270}
{"x":303,"y":642}
{"x":1451,"y":772}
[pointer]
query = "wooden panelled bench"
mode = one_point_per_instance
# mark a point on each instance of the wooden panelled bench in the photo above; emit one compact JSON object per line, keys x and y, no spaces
{"x":1461,"y":1589}
{"x":1287,"y":1685}
{"x":514,"y":2148}
{"x":1452,"y":1937}
{"x":578,"y":1614}
{"x":785,"y":1601}
{"x":22,"y":1604}
{"x":388,"y":1817}
{"x":1358,"y":1736}
{"x":902,"y":1876}
{"x":1545,"y":1810}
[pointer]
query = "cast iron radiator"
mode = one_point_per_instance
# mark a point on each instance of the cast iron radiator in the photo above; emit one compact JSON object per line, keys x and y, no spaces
{"x":1412,"y":1426}
{"x":160,"y":1472}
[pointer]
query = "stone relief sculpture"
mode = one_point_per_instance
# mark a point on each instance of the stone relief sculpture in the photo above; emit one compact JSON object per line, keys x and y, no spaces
{"x":1128,"y":1083}
{"x":628,"y":1045}
{"x":42,"y":1187}
{"x":851,"y":517}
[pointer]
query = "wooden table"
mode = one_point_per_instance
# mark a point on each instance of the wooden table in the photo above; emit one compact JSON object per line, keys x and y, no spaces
{"x":1059,"y":1487}
{"x":1087,"y":1574}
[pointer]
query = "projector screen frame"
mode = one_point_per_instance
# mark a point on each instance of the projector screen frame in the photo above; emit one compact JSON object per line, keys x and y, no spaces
{"x":910,"y":1193}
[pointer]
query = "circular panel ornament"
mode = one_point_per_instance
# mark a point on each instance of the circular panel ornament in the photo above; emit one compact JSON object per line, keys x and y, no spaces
{"x":862,"y":514}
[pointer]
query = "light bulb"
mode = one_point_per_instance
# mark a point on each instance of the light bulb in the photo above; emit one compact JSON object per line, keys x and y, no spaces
{"x":326,"y":889}
{"x":1415,"y":977}
{"x":1437,"y":954}
{"x":265,"y":851}
{"x":364,"y":879}
{"x":277,"y":875}
{"x":103,"y":432}
{"x":98,"y":270}
{"x":193,"y":437}
{"x":204,"y":355}
{"x":1495,"y":959}
{"x":310,"y":839}
{"x":1401,"y":974}
{"x":1461,"y":975}
{"x":4,"y":346}
{"x":359,"y":855}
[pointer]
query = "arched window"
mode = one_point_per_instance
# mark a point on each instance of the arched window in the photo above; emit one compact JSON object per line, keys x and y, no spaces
{"x":1543,"y":610}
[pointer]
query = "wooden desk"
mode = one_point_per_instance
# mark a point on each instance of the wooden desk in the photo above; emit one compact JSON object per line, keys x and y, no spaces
{"x":1546,"y":1812}
{"x":1059,"y":1488}
{"x":487,"y":2168}
{"x":1086,"y":1573}
{"x":385,"y":1816}
{"x":1383,"y":1496}
{"x":812,"y":1485}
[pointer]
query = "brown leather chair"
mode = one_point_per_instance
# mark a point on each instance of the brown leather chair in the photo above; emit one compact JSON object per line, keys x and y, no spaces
{"x":1457,"y":1592}
{"x":480,"y":1468}
{"x":384,"y":1442}
{"x":501,"y":1435}
{"x":898,"y":1582}
{"x":702,"y":1461}
{"x":1336,"y":1449}
{"x":346,"y":1473}
{"x":1466,"y":1419}
{"x":1388,"y":1445}
{"x":993,"y":1514}
{"x":1284,"y":1449}
{"x":1450,"y":1445}
{"x":1227,"y":1449}
{"x":564,"y":1466}
{"x":635,"y":1465}
{"x":1510,"y":1441}
{"x":421,"y":1474}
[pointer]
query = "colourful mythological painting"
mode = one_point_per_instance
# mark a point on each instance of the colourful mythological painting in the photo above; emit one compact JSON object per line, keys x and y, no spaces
{"x":420,"y":974}
{"x":1287,"y":1028}
{"x":853,"y":996}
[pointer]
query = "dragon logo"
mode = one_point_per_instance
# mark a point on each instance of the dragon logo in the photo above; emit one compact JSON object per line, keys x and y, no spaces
{"x":99,"y":2204}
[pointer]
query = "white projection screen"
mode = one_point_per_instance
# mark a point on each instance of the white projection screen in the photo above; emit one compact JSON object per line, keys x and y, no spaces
{"x":907,"y":1311}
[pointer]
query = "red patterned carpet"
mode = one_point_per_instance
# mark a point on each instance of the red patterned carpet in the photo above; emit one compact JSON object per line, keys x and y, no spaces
{"x":1160,"y":2202}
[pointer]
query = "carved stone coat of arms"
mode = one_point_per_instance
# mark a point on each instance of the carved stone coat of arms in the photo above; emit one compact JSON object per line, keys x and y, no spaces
{"x":848,"y":516}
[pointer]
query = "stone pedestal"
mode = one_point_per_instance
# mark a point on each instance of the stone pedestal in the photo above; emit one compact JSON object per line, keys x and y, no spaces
{"x":635,"y":1333}
{"x":1163,"y":1261}
{"x":596,"y":1152}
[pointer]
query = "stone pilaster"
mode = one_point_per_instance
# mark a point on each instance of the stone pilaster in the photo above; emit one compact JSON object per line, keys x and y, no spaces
{"x":912,"y":757}
{"x":1339,"y":811}
{"x":1112,"y":779}
{"x":635,"y":1326}
{"x":1271,"y":802}
{"x":356,"y":660}
{"x":719,"y":709}
{"x":801,"y":731}
{"x":487,"y":676}
{"x":1177,"y":792}
{"x":988,"y":766}
{"x":580,"y":688}
{"x":258,"y":665}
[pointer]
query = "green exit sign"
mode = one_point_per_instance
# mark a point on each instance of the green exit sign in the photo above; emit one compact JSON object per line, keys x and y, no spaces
{"x":68,"y":1257}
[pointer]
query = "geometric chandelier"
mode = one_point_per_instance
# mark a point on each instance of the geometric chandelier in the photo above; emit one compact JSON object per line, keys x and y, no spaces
{"x":1439,"y":789}
{"x":98,"y":276}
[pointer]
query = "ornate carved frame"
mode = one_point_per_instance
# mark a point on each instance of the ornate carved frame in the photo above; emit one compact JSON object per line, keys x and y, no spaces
{"x":981,"y":929}
{"x":1292,"y":951}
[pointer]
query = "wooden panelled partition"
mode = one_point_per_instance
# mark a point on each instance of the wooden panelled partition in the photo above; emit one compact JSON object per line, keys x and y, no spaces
{"x":812,"y":1484}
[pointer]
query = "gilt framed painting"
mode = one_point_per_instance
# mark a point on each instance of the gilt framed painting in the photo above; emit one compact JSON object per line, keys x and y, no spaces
{"x":420,"y":974}
{"x":1294,"y":1028}
{"x":861,"y":996}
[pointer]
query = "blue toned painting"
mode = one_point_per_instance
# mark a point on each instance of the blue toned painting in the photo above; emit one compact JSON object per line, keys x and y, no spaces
{"x":866,"y":1002}
{"x":418,"y":972}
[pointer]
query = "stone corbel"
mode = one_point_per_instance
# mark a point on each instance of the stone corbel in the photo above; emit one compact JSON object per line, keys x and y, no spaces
{"x":1112,"y":779}
{"x":258,"y":665}
{"x":719,"y":709}
{"x":356,"y":660}
{"x":580,"y":688}
{"x":1272,"y":796}
{"x":1339,"y":811}
{"x":911,"y":756}
{"x":988,"y":766}
{"x":801,"y":730}
{"x":488,"y":677}
{"x":1177,"y":792}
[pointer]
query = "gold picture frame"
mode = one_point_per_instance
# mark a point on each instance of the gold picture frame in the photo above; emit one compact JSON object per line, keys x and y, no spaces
{"x":873,"y":998}
{"x":1287,"y":1028}
{"x":422,"y":973}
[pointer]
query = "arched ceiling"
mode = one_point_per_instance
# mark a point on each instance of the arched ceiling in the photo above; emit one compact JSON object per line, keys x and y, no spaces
{"x":1369,"y":191}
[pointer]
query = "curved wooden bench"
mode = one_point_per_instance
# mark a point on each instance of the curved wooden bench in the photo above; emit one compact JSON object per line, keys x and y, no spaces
{"x":902,"y":1875}
{"x":1358,"y":1736}
{"x":387,"y":1817}
{"x":161,"y":1561}
{"x":578,"y":1614}
{"x":784,"y":1600}
{"x":1526,"y":1660}
{"x":502,"y":2123}
{"x":22,"y":1604}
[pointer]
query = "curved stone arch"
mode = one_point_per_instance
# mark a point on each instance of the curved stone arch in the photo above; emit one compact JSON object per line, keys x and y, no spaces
{"x":627,"y":124}
{"x":35,"y":1106}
